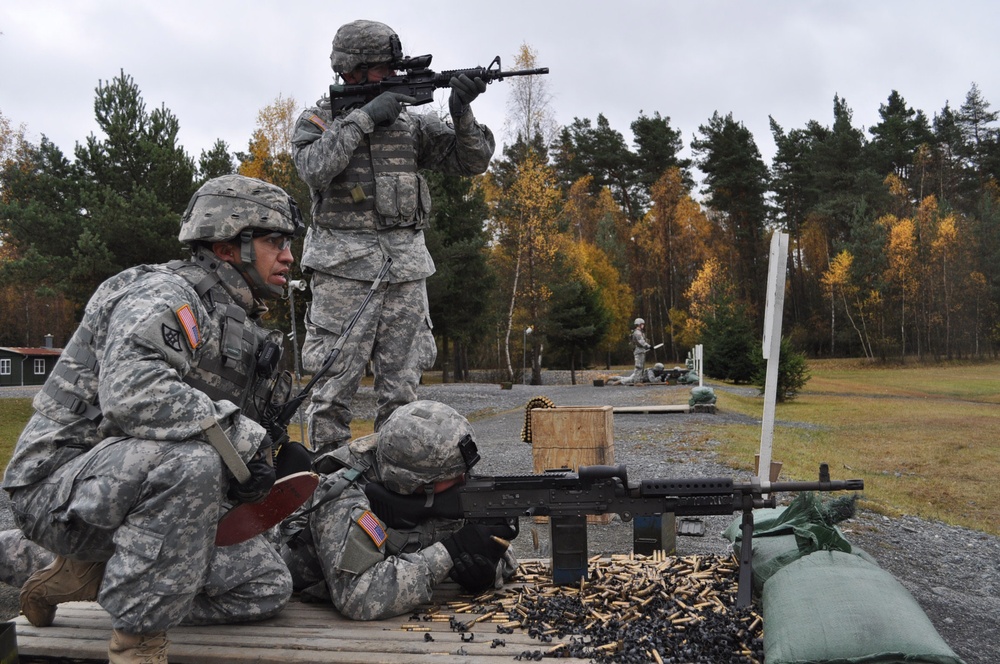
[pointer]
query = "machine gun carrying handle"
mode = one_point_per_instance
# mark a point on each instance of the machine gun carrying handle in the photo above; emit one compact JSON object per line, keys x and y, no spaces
{"x":593,"y":473}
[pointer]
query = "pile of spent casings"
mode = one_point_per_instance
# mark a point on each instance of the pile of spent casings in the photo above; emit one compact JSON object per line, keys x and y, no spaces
{"x":632,"y":608}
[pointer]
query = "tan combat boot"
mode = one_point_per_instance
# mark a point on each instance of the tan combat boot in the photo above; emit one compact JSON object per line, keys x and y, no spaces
{"x":63,"y":580}
{"x":128,"y":648}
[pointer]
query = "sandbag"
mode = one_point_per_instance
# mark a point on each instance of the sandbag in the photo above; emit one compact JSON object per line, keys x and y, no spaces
{"x":782,"y":535}
{"x":832,"y":607}
{"x":701,"y":395}
{"x":689,"y":378}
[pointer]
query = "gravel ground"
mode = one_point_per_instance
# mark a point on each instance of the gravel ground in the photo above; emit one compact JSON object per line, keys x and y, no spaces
{"x":953,"y":573}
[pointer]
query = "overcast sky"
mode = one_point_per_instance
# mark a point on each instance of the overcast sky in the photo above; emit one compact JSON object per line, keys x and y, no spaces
{"x":215,"y":63}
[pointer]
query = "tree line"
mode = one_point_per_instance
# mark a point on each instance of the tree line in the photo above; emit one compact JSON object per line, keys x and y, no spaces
{"x":574,"y":231}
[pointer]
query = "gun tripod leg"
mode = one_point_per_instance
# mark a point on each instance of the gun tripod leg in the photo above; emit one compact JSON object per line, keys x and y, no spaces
{"x":745,"y":590}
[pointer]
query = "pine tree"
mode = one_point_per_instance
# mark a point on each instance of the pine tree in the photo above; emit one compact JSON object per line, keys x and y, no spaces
{"x":736,"y":181}
{"x":459,"y":291}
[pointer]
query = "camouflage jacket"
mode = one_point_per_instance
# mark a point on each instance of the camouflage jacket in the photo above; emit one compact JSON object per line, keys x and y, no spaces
{"x":154,"y":343}
{"x":368,"y":198}
{"x":639,"y":340}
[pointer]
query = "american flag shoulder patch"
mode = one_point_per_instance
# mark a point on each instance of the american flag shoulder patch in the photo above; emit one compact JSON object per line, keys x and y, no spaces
{"x":318,"y":121}
{"x":189,"y":324}
{"x":370,"y":524}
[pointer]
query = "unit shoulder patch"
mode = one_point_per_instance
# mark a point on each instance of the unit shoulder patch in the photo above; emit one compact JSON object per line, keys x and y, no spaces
{"x":171,"y":337}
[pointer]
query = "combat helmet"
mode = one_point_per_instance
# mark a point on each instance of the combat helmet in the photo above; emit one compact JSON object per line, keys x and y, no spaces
{"x":419,"y":445}
{"x":361,"y":43}
{"x":638,"y":322}
{"x":234,"y":207}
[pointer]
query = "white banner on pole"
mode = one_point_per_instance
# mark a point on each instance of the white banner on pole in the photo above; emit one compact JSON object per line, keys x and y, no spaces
{"x":771,"y":348}
{"x":699,"y":361}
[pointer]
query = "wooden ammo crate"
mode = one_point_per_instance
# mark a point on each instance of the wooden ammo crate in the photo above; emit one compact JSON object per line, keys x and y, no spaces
{"x":573,"y":436}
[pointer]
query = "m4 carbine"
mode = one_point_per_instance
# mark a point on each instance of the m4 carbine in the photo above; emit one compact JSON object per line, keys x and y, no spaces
{"x":418,"y":82}
{"x":567,"y":498}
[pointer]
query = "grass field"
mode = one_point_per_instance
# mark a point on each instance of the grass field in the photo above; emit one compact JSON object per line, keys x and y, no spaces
{"x":924,"y":438}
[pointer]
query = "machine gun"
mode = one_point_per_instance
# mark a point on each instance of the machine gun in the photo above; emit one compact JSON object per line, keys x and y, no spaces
{"x":418,"y":82}
{"x":567,"y":498}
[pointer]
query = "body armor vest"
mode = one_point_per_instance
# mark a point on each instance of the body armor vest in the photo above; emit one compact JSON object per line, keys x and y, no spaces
{"x":226,"y":369}
{"x":380,"y":187}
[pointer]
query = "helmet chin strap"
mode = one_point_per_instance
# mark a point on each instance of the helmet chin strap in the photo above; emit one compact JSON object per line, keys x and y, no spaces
{"x":258,"y":285}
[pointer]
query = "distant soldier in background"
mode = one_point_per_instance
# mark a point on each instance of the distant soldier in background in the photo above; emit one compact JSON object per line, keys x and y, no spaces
{"x":113,"y":482}
{"x":370,"y":543}
{"x":639,"y":348}
{"x":369,"y":202}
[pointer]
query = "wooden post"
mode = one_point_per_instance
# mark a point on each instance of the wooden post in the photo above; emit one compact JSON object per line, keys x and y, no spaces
{"x":777,"y":266}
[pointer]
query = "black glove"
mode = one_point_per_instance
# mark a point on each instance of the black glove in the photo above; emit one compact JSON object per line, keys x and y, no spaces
{"x":384,"y":109}
{"x":292,"y":457}
{"x":463,"y":91}
{"x":475,"y":555}
{"x":261,"y":480}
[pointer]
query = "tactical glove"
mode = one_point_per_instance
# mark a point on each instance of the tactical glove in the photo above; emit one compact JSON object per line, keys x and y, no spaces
{"x":292,"y":457}
{"x":384,"y":109}
{"x":261,"y":480}
{"x":475,"y":555}
{"x":463,"y":91}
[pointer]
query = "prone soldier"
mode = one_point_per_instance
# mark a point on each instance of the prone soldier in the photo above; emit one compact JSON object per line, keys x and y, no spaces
{"x":354,"y":543}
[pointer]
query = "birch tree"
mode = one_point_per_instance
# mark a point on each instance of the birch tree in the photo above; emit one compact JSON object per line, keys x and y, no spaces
{"x":522,"y":224}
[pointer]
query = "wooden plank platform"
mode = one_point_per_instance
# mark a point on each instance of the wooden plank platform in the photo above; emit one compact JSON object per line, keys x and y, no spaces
{"x":301,"y":633}
{"x":677,"y":408}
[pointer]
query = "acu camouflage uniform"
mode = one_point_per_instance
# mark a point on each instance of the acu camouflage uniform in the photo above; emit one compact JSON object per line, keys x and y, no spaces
{"x":113,"y":466}
{"x":343,"y":552}
{"x":370,"y":202}
{"x":640,"y":346}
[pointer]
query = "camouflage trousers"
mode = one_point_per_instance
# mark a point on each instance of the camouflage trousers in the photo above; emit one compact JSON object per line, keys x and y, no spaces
{"x":394,"y":332}
{"x":148,"y":508}
{"x":640,"y":361}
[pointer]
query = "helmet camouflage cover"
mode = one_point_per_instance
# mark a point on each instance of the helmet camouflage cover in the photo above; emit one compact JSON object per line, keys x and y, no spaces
{"x":418,"y":445}
{"x":225,"y":206}
{"x":364,"y":43}
{"x":638,"y":322}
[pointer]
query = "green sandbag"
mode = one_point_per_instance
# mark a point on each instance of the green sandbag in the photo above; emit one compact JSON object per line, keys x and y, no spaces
{"x":701,"y":395}
{"x":782,"y":535}
{"x":832,"y":607}
{"x":689,"y":378}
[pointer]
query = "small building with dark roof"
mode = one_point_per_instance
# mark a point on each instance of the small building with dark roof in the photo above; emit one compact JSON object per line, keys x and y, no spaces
{"x":27,"y":366}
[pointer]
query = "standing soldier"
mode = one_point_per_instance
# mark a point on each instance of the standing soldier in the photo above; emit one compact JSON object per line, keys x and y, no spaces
{"x":114,"y":476}
{"x":369,"y":203}
{"x":639,"y":348}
